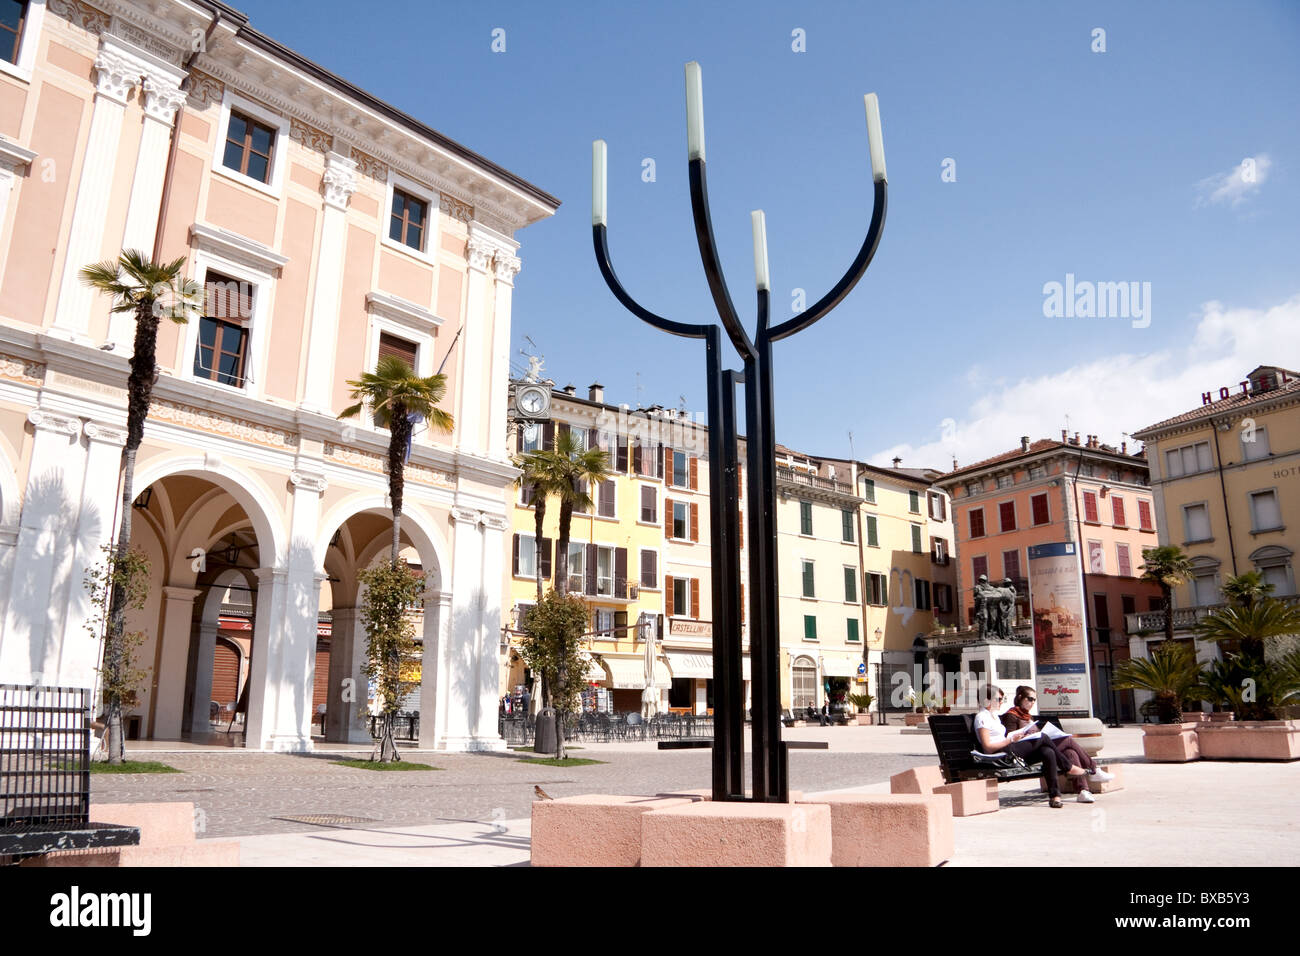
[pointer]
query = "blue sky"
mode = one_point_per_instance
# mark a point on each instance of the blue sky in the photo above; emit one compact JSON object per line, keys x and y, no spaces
{"x":1115,"y":166}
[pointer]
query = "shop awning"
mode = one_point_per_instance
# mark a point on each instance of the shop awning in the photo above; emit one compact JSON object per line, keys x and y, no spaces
{"x":594,"y":672}
{"x":699,"y":665}
{"x":840,"y":665}
{"x":625,"y":673}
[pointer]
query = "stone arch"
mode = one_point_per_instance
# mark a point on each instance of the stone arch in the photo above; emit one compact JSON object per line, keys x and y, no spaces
{"x":416,"y":525}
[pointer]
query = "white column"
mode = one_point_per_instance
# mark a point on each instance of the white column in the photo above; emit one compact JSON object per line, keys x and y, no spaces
{"x":475,"y":393}
{"x":458,"y":676}
{"x":264,"y":667}
{"x":339,"y":183}
{"x":115,"y":76}
{"x":346,"y":708}
{"x":31,"y":648}
{"x":162,"y":97}
{"x":200,"y":714}
{"x":488,"y":660}
{"x":169,"y":679}
{"x":504,"y":269}
{"x":433,"y":671}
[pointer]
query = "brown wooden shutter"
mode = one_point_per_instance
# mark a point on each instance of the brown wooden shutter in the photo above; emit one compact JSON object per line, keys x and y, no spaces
{"x":742,"y":604}
{"x":548,"y":436}
{"x":514,"y":556}
{"x":592,"y":438}
{"x":695,"y":598}
{"x":740,"y":527}
{"x":668,"y":466}
{"x":620,"y":462}
{"x":668,"y":591}
{"x":620,"y":572}
{"x":225,"y":673}
{"x":695,"y":521}
{"x":636,"y":458}
{"x":591,"y":569}
{"x":740,"y":482}
{"x":668,"y":517}
{"x":321,"y":679}
{"x":402,"y":349}
{"x":695,"y":474}
{"x":546,"y":558}
{"x":620,"y":625}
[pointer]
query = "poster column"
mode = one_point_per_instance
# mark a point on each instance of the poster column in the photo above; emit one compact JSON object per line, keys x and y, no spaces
{"x":1060,"y":637}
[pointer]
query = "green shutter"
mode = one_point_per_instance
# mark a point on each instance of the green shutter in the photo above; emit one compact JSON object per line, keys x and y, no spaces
{"x":872,"y":539}
{"x":869,"y":490}
{"x":914,"y":500}
{"x":850,"y":584}
{"x":810,"y":627}
{"x":847,"y":524}
{"x":853,"y":629}
{"x":808,"y":579}
{"x":805,"y":517}
{"x":916,"y":538}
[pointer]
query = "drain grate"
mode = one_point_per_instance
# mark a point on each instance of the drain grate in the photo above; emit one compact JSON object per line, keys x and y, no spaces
{"x":328,"y":819}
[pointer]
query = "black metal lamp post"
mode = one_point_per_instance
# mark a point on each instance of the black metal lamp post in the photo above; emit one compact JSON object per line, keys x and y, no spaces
{"x":769,"y":758}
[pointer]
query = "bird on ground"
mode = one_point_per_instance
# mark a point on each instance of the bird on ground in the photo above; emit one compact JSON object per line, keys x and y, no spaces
{"x":541,"y":794}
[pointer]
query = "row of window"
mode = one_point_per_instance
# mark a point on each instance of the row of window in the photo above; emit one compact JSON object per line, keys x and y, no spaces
{"x":1265,"y":515}
{"x":877,"y":589}
{"x":1197,"y":457}
{"x":646,"y":461}
{"x":939,"y":546}
{"x":936,"y":502}
{"x":1041,"y":514}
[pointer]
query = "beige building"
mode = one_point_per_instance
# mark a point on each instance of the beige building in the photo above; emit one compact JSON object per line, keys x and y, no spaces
{"x":329,"y":229}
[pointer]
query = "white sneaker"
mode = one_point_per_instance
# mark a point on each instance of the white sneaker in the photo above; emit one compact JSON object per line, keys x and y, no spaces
{"x":1085,"y":796}
{"x":1101,"y":776}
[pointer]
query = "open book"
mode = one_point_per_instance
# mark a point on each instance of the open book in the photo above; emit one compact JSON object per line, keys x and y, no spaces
{"x":1051,"y":731}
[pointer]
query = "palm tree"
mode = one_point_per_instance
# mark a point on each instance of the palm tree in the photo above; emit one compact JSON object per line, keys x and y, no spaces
{"x":151,"y":290}
{"x":1251,"y":625}
{"x":1245,"y":589}
{"x":1168,"y":567}
{"x":540,"y":473}
{"x":1170,"y":673}
{"x":397,"y":397}
{"x":575,"y":466}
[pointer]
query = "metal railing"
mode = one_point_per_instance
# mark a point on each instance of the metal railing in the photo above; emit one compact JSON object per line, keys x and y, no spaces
{"x":1185,"y":618}
{"x":603,"y":728}
{"x":813,"y":481}
{"x":44,"y":757}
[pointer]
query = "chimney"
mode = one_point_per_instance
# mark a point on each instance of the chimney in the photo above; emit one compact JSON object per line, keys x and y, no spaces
{"x":570,"y":390}
{"x":1074,"y":442}
{"x":1123,"y":448}
{"x":596,"y":392}
{"x":897,"y":461}
{"x":1024,"y":443}
{"x":1064,"y":436}
{"x":954,"y":464}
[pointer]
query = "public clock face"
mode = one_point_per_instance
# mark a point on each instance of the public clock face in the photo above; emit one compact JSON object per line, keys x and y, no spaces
{"x":531,"y":401}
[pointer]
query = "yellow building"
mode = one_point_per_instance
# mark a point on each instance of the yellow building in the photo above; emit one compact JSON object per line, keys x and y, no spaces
{"x":1226,"y":478}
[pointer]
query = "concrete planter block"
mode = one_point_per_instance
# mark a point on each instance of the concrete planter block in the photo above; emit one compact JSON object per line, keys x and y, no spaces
{"x":737,"y":834}
{"x":706,"y":793}
{"x":1088,"y":732}
{"x":1075,"y":784}
{"x":1222,"y":717}
{"x":1171,"y":743}
{"x":889,"y":829}
{"x":201,"y":853}
{"x":921,"y":780}
{"x":864,"y":720}
{"x":1250,"y":740}
{"x":971,"y":797}
{"x":161,"y":824}
{"x":915,"y":720}
{"x":593,"y":829}
{"x":1195,"y":716}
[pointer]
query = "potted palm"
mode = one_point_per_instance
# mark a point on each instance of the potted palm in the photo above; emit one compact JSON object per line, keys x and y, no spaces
{"x":1172,"y":675}
{"x":863,"y":704}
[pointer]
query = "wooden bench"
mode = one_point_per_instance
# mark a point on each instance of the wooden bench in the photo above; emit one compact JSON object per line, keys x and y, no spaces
{"x":954,"y":739}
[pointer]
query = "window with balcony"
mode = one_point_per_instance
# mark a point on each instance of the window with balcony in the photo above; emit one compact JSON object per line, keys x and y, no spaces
{"x":222,"y":350}
{"x":408,"y":220}
{"x":1038,"y":506}
{"x":249,"y":146}
{"x":605,"y":571}
{"x":939,"y":550}
{"x":977,"y":523}
{"x":943,"y":598}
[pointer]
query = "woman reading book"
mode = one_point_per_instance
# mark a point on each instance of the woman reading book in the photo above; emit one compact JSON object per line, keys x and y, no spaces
{"x":993,"y":738}
{"x":1019,"y":716}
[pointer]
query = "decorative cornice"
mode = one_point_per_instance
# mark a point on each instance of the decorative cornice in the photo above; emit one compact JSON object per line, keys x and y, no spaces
{"x":455,"y":209}
{"x":162,"y":98}
{"x":495,"y":522}
{"x":339,"y":181}
{"x":241,"y":249}
{"x":479,"y":253}
{"x":109,"y":434}
{"x":43,"y":420}
{"x":205,"y":89}
{"x":402,"y":312}
{"x":367,"y":165}
{"x":308,"y":481}
{"x":12,"y":155}
{"x":21,"y":370}
{"x":189,"y":416}
{"x":79,"y":14}
{"x":309,"y":136}
{"x":470,"y":516}
{"x":505,"y":268}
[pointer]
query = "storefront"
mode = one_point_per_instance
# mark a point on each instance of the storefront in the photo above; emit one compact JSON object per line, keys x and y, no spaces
{"x":624,"y":677}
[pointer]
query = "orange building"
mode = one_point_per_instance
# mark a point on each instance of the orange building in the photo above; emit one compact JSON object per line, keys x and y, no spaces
{"x":1050,"y":491}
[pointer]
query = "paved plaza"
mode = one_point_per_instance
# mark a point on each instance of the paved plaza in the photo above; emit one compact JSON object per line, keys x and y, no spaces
{"x":474,"y":810}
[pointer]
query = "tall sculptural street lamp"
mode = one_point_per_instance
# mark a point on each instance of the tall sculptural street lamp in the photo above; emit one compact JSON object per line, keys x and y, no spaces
{"x":770,"y":779}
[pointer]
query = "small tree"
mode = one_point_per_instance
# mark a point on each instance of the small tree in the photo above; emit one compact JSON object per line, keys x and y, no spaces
{"x":1171,"y":674}
{"x":1167,"y":566}
{"x":126,"y":575}
{"x":1254,"y":687}
{"x":392,"y":588}
{"x":551,"y":647}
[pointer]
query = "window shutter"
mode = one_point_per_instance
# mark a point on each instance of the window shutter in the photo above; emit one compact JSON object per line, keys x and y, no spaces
{"x":1089,"y":506}
{"x":668,"y":517}
{"x":562,"y":428}
{"x":742,"y":604}
{"x":740,"y":529}
{"x":620,"y":463}
{"x":873,"y":538}
{"x":649,"y":569}
{"x":636,"y":458}
{"x":519,"y":439}
{"x":399,"y":348}
{"x":668,"y":465}
{"x":977,"y":523}
{"x":1144,"y":515}
{"x":548,"y":436}
{"x":607,"y":498}
{"x":695,"y":598}
{"x":668,"y":595}
{"x":620,"y":572}
{"x":591,"y":569}
{"x":695,"y":474}
{"x":695,"y":521}
{"x":592,"y":438}
{"x":514,"y":556}
{"x":546,"y":558}
{"x":740,"y":482}
{"x":1117,"y":510}
{"x":1007,"y":515}
{"x":1039,"y":503}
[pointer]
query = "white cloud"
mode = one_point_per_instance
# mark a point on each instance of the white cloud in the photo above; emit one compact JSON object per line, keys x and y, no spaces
{"x":1236,"y":184}
{"x":1117,"y":394}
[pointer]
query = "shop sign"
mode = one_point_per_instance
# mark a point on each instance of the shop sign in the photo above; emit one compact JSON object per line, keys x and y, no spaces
{"x":687,"y":628}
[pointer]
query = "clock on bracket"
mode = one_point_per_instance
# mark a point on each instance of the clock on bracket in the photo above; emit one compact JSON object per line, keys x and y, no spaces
{"x":533,"y":401}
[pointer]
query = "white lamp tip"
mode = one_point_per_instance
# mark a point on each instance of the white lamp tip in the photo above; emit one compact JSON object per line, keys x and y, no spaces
{"x":875,"y":141}
{"x":758,"y":221}
{"x":598,"y":191}
{"x":694,"y":112}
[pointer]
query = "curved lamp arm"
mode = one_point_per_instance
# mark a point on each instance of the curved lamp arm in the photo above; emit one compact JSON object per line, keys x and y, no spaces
{"x":600,"y":241}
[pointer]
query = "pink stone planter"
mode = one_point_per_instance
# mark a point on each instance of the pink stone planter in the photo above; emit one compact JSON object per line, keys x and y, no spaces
{"x":1250,"y":740}
{"x":737,"y":834}
{"x":166,"y":839}
{"x":971,"y":797}
{"x":915,"y":720}
{"x":1171,"y":743}
{"x":593,"y":829}
{"x":917,"y":780}
{"x":889,"y":829}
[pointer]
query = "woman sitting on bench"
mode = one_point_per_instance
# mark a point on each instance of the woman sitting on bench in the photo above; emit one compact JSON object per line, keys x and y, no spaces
{"x":993,"y":738}
{"x":1019,"y":716}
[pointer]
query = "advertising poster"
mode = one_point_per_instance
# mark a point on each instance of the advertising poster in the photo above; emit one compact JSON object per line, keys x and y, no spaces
{"x":1060,"y":638}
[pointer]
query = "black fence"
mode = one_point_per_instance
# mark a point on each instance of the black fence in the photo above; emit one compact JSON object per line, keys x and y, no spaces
{"x":603,"y":728}
{"x":45,"y":773}
{"x":406,"y":726}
